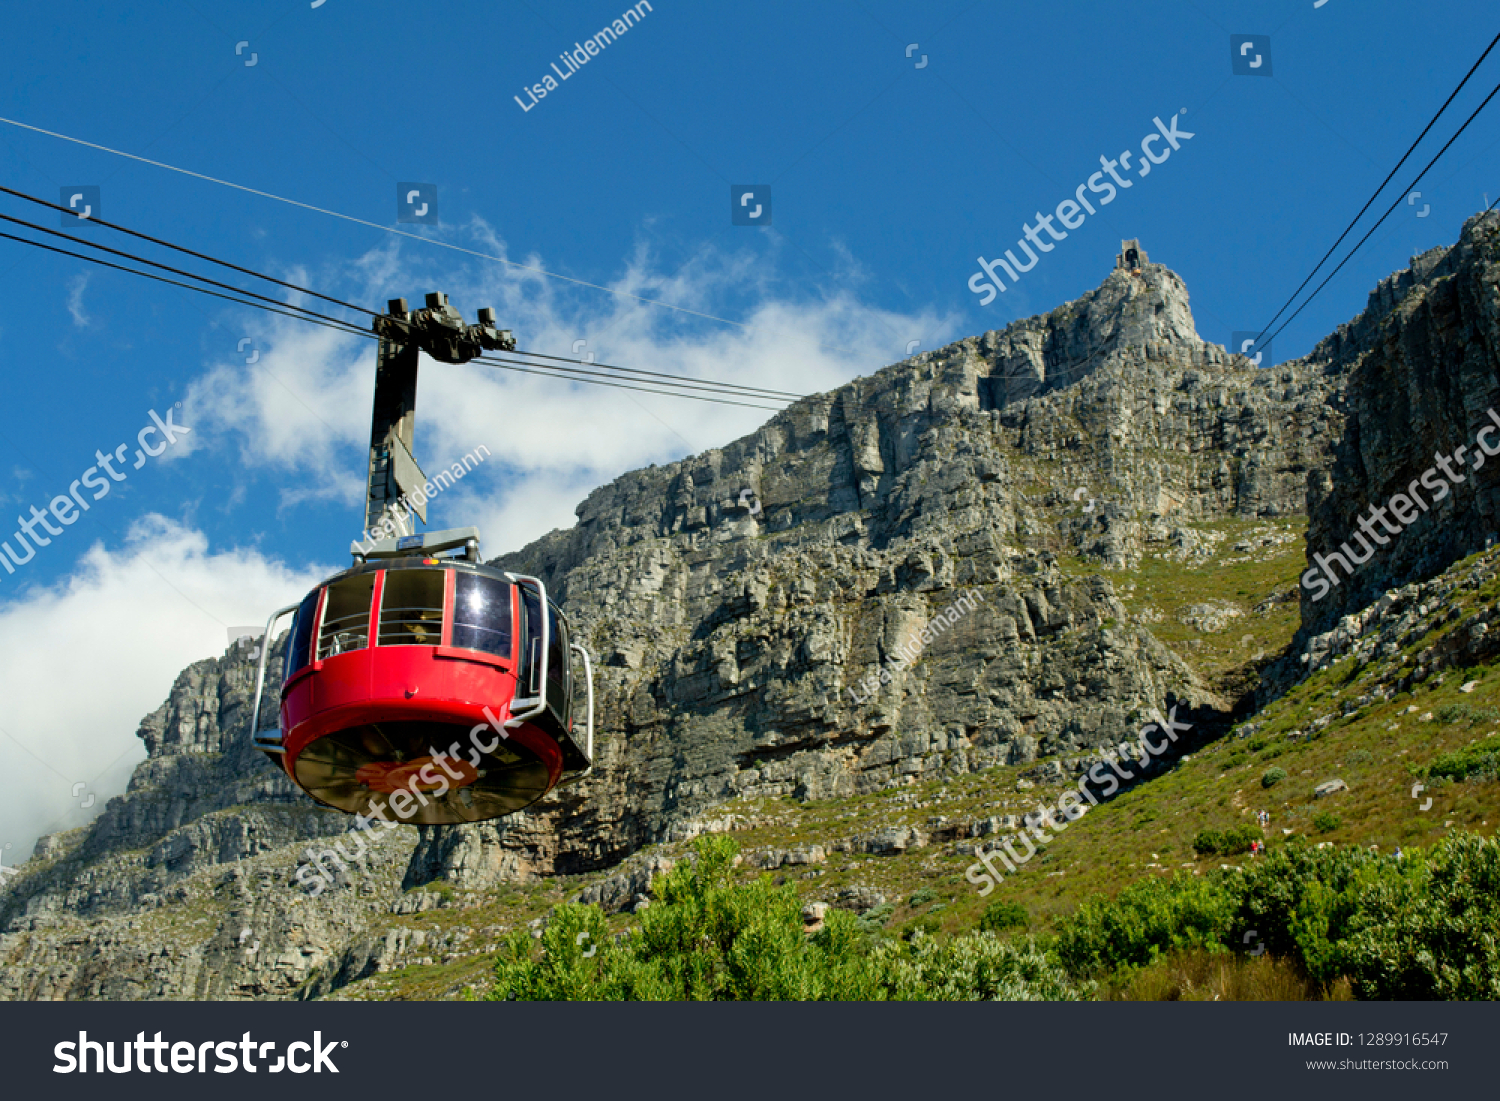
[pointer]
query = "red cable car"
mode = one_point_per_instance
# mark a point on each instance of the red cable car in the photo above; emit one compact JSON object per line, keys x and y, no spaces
{"x":428,"y":690}
{"x":421,"y":689}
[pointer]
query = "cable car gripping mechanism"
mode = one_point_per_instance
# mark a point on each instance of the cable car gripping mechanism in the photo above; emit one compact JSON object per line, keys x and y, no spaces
{"x":439,"y":330}
{"x":268,"y":740}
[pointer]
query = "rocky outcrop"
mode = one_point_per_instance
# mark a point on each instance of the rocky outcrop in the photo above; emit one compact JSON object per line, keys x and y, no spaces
{"x":1422,"y":368}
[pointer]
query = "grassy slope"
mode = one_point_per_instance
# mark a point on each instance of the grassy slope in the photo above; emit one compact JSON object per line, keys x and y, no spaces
{"x":1379,"y":751}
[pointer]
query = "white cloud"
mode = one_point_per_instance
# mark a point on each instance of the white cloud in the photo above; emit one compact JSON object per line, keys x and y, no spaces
{"x":82,"y":662}
{"x":76,"y":286}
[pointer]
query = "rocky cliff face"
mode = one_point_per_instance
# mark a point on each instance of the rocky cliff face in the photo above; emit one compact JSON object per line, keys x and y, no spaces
{"x":903,"y":593}
{"x":738,"y":642}
{"x":1423,"y":371}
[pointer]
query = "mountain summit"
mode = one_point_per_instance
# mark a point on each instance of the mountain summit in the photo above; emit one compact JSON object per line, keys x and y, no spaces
{"x":1139,"y":313}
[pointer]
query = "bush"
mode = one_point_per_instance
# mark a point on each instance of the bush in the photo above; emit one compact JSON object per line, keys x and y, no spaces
{"x":1272,"y":776}
{"x":1326,"y":821}
{"x":1003,"y":914}
{"x":873,"y":920}
{"x":928,"y":926}
{"x":707,"y":938}
{"x":1299,"y":900}
{"x":974,"y":967}
{"x":1234,"y":841}
{"x":1480,"y":759}
{"x":1419,"y":928}
{"x":921,"y":897}
{"x":1427,"y":931}
{"x":1462,"y":712}
{"x":1146,"y":919}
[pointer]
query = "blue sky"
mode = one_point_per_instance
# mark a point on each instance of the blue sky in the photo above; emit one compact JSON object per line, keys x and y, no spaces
{"x":888,"y":181}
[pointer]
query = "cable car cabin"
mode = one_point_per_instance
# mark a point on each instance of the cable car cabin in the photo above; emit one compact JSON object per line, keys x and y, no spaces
{"x":428,"y":690}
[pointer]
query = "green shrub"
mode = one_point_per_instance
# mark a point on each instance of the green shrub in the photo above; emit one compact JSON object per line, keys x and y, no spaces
{"x":1422,"y":928}
{"x":1237,"y":839}
{"x":1452,"y":712}
{"x":1461,"y":712}
{"x":1272,"y":776}
{"x":1418,"y":928}
{"x":1234,"y":841}
{"x":1299,"y":900}
{"x":1003,"y":914}
{"x":929,"y":926}
{"x":873,"y":920}
{"x":1208,"y":842}
{"x":1146,"y":919}
{"x":1326,"y":821}
{"x":1426,"y":931}
{"x":921,"y":897}
{"x":1480,"y":759}
{"x":974,"y":967}
{"x":706,"y":938}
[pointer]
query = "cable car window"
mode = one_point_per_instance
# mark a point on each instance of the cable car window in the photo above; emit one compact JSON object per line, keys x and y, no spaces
{"x":531,"y":639}
{"x":481,"y":614}
{"x":302,"y":627}
{"x":557,"y":663}
{"x":346,"y":616}
{"x":411,"y":608}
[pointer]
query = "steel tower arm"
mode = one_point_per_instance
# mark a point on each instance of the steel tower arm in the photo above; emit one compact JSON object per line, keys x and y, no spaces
{"x":438,"y":330}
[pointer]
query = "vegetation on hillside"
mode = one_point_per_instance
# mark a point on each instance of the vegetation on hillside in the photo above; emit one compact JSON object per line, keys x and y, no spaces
{"x":709,"y":937}
{"x":1420,"y":927}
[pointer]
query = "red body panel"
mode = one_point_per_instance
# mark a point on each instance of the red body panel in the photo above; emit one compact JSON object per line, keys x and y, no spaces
{"x":403,"y":684}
